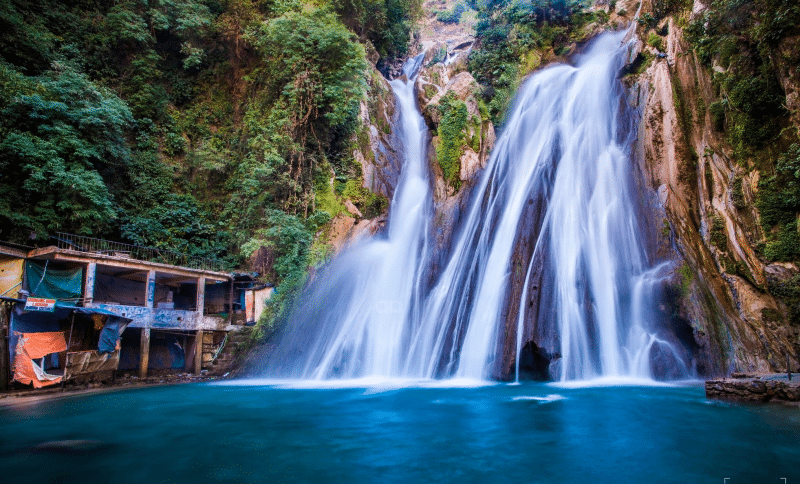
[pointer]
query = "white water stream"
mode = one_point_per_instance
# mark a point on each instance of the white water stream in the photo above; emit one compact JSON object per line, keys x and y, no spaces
{"x":375,"y":314}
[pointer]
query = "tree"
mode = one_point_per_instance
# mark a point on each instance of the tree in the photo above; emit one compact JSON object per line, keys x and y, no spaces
{"x":59,"y":132}
{"x":306,"y":97}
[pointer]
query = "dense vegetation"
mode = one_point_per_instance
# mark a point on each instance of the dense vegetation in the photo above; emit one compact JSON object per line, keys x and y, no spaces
{"x":202,"y":126}
{"x":513,"y":37}
{"x":748,"y":42}
{"x":451,"y":131}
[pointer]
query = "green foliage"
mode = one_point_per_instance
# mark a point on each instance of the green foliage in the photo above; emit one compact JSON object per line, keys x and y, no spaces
{"x":717,"y":110}
{"x":662,"y":8}
{"x":370,"y":204}
{"x":310,"y":86}
{"x":737,"y":194}
{"x":508,"y":31}
{"x":177,"y":223}
{"x":778,"y":203}
{"x":319,"y":253}
{"x":785,"y":244}
{"x":326,"y":200}
{"x":789,"y":292}
{"x":59,"y":133}
{"x":641,"y":63}
{"x":452,"y":135}
{"x":687,"y":276}
{"x":184,"y":125}
{"x":311,"y":61}
{"x":25,"y":42}
{"x":743,"y":37}
{"x":754,"y":102}
{"x":655,"y":41}
{"x":387,"y":24}
{"x":451,"y":16}
{"x":438,"y":56}
{"x":289,"y":240}
{"x":647,"y":20}
{"x":717,"y":234}
{"x":666,"y":229}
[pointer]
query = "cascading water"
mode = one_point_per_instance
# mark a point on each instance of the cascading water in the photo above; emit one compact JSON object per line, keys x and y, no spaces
{"x":594,"y":260}
{"x":563,"y":159}
{"x":367,"y":304}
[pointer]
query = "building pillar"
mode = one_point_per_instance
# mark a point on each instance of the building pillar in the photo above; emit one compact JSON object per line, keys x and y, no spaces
{"x":201,"y":302}
{"x":144,"y":353}
{"x":230,"y":304}
{"x":88,"y":288}
{"x":150,"y":290}
{"x":198,"y":352}
{"x":201,"y":296}
{"x":144,"y":347}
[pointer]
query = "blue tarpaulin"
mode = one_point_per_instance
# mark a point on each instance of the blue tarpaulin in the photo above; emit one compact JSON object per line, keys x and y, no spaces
{"x":109,"y":335}
{"x":35,"y":322}
{"x":112,"y":329}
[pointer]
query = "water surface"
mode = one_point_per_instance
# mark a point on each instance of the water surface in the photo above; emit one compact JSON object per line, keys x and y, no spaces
{"x":384,"y":432}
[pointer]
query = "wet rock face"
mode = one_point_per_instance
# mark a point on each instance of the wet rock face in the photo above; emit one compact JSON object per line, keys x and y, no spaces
{"x":376,"y":150}
{"x":710,"y":224}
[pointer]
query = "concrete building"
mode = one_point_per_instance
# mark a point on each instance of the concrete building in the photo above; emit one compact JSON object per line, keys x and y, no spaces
{"x":171,"y":318}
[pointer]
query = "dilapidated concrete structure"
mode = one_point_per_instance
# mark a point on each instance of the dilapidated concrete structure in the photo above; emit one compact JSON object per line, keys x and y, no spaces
{"x":170,"y":318}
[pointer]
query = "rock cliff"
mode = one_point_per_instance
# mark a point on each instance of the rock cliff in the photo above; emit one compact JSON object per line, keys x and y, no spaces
{"x":706,"y":201}
{"x":444,"y":87}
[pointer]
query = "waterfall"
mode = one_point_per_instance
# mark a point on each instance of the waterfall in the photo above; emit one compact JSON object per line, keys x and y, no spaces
{"x":559,"y":181}
{"x":358,"y":319}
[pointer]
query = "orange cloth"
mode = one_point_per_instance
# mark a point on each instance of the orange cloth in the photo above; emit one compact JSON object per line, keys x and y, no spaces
{"x":39,"y":345}
{"x":33,"y":346}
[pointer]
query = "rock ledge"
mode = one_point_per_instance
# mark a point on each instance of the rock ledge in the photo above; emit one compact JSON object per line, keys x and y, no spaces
{"x":764,"y":388}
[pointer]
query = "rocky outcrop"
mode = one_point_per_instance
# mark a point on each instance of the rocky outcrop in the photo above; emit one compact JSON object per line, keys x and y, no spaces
{"x":443,"y":75}
{"x":710,"y":225}
{"x":375,"y":152}
{"x":380,"y":161}
{"x":769,"y":388}
{"x":436,"y":80}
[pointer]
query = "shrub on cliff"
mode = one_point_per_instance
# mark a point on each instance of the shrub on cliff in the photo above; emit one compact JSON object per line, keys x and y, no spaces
{"x":778,"y":203}
{"x":452,"y":135}
{"x":451,"y":16}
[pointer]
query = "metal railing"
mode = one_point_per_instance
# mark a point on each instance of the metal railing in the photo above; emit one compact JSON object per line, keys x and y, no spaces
{"x":150,"y":254}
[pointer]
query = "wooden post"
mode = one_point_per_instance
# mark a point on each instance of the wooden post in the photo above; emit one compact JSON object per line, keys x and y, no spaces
{"x":4,"y":355}
{"x":88,"y":288}
{"x":144,"y":353}
{"x":66,"y":355}
{"x":198,"y":352}
{"x":788,"y":367}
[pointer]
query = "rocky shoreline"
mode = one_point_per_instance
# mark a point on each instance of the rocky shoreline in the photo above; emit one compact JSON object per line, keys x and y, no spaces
{"x":771,"y":387}
{"x":29,"y":395}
